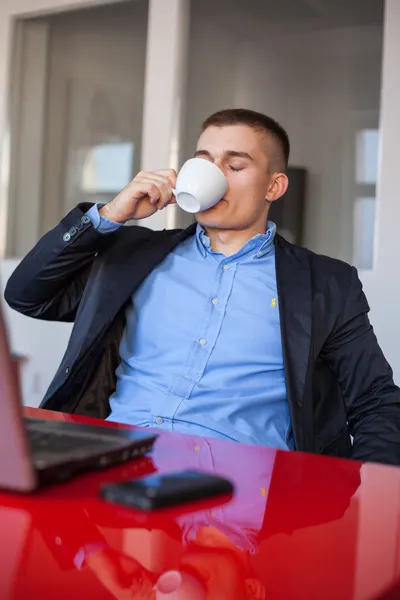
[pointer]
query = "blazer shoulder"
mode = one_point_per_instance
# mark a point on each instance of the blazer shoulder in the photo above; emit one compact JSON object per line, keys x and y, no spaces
{"x":331,"y":266}
{"x":320,"y":263}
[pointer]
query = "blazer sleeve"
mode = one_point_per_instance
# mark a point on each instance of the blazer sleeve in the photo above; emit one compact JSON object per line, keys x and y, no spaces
{"x":366,"y":380}
{"x":49,"y":282}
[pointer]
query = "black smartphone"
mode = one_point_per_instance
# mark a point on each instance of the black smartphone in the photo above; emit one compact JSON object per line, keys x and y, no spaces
{"x":159,"y":491}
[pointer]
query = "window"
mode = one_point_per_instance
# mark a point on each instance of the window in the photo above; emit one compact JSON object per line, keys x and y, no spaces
{"x":107,"y":168}
{"x":367,"y":156}
{"x":364,"y":208}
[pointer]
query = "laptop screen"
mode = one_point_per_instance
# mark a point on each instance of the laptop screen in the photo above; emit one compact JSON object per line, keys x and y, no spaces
{"x":16,"y":470}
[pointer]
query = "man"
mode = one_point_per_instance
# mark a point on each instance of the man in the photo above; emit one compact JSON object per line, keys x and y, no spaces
{"x":224,"y":329}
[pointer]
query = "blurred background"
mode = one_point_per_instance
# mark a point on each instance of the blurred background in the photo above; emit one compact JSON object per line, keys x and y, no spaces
{"x":93,"y":91}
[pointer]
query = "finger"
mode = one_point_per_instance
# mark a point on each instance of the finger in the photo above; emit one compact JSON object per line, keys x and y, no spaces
{"x":165,"y":190}
{"x":172,"y":200}
{"x":163,"y":184}
{"x":154,"y":176}
{"x":170,"y":174}
{"x":166,"y":175}
{"x":148,"y":188}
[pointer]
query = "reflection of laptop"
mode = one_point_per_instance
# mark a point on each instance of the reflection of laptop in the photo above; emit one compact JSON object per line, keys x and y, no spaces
{"x":38,"y":451}
{"x":16,"y":531}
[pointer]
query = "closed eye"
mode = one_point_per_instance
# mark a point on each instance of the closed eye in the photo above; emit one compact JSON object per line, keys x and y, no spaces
{"x":236,"y":170}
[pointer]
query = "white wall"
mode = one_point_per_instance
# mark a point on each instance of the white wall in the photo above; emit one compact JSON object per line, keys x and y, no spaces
{"x":212,"y":73}
{"x":27,"y":118}
{"x":42,"y":343}
{"x":382,"y":285}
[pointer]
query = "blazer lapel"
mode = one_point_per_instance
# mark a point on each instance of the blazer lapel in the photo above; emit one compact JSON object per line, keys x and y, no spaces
{"x":118,"y":274}
{"x":295,"y":307}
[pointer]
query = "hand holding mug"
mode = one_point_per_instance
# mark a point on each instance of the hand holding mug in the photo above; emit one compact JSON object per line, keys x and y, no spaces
{"x":147,"y":193}
{"x":199,"y":186}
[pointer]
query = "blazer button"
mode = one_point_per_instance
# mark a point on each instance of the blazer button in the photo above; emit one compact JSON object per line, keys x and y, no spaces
{"x":85,"y":219}
{"x":72,"y":230}
{"x":67,"y":236}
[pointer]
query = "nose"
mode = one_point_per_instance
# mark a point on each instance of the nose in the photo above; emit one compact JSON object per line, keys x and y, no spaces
{"x":219,"y":162}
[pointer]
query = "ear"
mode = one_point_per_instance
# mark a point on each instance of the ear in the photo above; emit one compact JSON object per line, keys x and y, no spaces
{"x":255,"y":590}
{"x":277,"y":186}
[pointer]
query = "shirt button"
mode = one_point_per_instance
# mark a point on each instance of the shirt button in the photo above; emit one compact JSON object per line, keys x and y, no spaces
{"x":215,"y":301}
{"x":159,"y":420}
{"x":260,"y":253}
{"x":196,"y":448}
{"x":225,"y":267}
{"x":67,"y":371}
{"x":203,"y":342}
{"x":188,"y":377}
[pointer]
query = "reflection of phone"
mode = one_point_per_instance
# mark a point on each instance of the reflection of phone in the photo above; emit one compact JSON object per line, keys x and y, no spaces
{"x":158,"y":491}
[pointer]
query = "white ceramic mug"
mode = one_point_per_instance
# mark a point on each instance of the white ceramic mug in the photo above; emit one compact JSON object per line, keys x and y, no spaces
{"x":200,"y":185}
{"x":175,"y":585}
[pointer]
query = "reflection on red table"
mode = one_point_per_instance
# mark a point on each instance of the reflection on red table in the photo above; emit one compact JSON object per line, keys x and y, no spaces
{"x":298,"y":527}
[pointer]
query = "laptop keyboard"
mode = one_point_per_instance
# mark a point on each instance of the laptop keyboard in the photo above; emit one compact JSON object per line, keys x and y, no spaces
{"x":63,"y":442}
{"x":58,"y":442}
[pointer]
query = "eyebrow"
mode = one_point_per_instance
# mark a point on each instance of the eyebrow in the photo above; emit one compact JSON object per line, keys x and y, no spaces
{"x":230,"y":153}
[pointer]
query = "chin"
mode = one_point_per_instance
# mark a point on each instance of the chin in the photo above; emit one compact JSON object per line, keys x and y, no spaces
{"x":213,"y":217}
{"x":213,"y":223}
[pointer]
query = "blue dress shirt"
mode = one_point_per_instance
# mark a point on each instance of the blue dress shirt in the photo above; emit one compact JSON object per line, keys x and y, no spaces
{"x":201,"y":352}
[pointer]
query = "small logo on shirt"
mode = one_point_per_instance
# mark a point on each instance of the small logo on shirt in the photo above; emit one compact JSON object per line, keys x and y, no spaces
{"x":274,"y":303}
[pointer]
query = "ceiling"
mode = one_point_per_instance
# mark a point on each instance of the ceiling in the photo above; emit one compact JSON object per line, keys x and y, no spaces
{"x":248,"y":17}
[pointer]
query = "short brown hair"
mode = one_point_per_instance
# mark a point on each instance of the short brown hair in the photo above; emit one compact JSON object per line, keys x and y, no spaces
{"x":279,"y":150}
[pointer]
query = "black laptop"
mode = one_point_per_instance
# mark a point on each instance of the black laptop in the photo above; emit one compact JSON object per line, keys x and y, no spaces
{"x":34,"y":452}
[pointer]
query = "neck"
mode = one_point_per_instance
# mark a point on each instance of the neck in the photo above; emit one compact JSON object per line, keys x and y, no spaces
{"x":228,"y":242}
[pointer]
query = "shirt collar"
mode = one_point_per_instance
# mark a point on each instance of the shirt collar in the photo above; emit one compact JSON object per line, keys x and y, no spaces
{"x":260,"y":245}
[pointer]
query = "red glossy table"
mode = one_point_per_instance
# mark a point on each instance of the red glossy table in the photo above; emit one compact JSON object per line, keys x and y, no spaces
{"x":299,"y":526}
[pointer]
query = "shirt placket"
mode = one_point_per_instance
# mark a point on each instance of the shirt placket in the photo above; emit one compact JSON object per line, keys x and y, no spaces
{"x":207,"y":333}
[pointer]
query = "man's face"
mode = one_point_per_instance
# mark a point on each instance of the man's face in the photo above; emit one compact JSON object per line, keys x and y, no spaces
{"x":221,"y":567}
{"x":240,"y":152}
